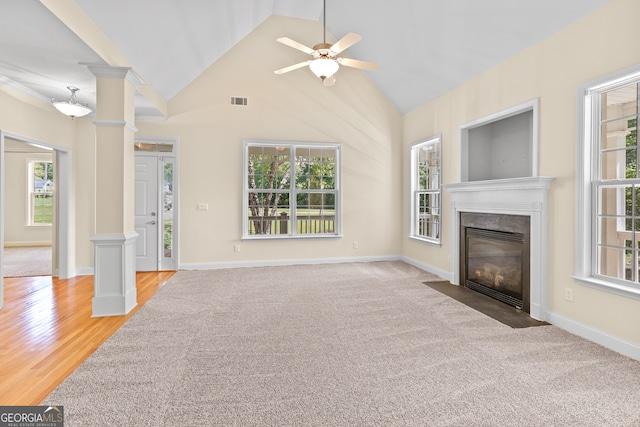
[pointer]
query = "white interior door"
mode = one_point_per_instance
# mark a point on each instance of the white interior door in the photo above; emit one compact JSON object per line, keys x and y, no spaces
{"x":146,"y":212}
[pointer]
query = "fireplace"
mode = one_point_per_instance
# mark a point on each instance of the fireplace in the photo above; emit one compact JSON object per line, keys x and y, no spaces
{"x":494,"y":256}
{"x":524,"y":197}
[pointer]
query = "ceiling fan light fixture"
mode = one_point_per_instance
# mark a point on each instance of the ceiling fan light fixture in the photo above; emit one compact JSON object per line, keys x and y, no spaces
{"x":325,"y":60}
{"x":324,"y":67}
{"x":72,"y":108}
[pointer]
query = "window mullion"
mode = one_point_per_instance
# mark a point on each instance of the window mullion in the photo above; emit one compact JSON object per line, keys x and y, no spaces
{"x":293,"y":193}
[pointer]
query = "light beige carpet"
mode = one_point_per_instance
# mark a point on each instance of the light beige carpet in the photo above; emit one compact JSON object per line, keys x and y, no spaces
{"x":27,"y":261}
{"x":339,"y":345}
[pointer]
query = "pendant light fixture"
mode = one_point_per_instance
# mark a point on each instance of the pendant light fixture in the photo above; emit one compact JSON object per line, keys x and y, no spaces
{"x":72,"y":108}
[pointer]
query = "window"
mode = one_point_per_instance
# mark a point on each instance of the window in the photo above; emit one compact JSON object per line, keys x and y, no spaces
{"x":291,"y":190}
{"x":40,"y":193}
{"x":425,"y":190}
{"x":609,"y":188}
{"x":167,"y":207}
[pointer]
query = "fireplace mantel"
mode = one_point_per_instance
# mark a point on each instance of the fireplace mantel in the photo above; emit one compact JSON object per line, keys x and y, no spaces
{"x":515,"y":196}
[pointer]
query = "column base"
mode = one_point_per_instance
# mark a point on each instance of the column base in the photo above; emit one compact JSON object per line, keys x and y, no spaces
{"x":115,"y":292}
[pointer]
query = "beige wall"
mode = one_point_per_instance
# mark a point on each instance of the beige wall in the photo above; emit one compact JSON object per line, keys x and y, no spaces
{"x":551,"y":71}
{"x":291,"y":107}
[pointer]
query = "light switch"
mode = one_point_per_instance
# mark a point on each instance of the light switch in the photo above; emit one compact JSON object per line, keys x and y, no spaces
{"x":203,"y":206}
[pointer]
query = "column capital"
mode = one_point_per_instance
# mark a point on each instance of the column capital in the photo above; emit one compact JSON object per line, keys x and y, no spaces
{"x":108,"y":71}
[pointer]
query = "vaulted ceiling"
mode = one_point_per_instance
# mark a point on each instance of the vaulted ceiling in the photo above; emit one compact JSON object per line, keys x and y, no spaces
{"x":424,"y":47}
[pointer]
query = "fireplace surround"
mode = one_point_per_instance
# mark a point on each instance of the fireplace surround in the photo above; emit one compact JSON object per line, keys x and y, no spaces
{"x":514,"y":196}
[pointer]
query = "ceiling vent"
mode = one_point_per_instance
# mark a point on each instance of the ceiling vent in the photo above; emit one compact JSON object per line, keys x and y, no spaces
{"x":238,"y":101}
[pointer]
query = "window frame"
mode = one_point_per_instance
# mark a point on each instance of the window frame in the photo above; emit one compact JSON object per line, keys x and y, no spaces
{"x":414,"y":228}
{"x":292,"y":191}
{"x":588,"y":182}
{"x":31,"y":193}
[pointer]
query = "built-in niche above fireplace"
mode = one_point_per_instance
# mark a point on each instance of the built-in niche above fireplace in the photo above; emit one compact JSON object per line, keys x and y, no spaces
{"x":501,"y":146}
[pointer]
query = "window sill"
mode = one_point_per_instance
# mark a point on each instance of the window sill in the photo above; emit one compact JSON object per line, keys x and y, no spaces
{"x":39,"y":225}
{"x":426,"y":241}
{"x":611,"y":287}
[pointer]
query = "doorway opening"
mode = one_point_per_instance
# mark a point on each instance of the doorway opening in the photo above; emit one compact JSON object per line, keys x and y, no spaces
{"x":61,"y":242}
{"x":29,"y":219}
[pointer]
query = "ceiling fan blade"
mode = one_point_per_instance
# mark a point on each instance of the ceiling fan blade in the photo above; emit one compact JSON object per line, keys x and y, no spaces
{"x":295,"y":45}
{"x":292,"y":67}
{"x":329,"y":81}
{"x":345,"y":42}
{"x":354,"y":63}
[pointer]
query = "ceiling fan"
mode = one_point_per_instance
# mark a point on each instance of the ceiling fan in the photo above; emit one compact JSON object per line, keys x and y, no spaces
{"x":325,"y":60}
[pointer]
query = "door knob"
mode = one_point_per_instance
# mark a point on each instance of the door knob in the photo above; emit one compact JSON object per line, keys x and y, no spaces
{"x":153,"y":214}
{"x":152,"y":222}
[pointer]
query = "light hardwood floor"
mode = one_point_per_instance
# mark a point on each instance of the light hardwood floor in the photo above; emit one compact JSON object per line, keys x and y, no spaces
{"x":46,"y":331}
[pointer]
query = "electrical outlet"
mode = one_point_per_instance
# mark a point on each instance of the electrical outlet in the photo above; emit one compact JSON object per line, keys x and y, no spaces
{"x":236,"y":248}
{"x":568,"y":294}
{"x":355,"y":245}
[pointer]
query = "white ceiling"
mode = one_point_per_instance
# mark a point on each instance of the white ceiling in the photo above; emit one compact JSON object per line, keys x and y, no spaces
{"x":424,"y":47}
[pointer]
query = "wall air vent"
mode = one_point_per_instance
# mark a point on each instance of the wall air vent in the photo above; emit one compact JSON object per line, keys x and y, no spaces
{"x":238,"y":101}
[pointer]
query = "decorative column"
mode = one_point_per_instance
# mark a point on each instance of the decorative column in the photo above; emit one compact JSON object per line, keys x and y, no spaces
{"x":115,"y":238}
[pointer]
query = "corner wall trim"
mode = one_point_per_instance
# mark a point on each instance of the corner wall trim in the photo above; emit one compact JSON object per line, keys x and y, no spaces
{"x":624,"y":347}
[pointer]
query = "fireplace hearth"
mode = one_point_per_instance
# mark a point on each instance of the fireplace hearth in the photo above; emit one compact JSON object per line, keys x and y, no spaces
{"x":494,"y":256}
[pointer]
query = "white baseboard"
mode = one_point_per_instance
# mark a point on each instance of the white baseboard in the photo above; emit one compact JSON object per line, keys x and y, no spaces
{"x":283,"y":262}
{"x":83,"y":271}
{"x":605,"y":339}
{"x":26,"y":244}
{"x":446,"y":275}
